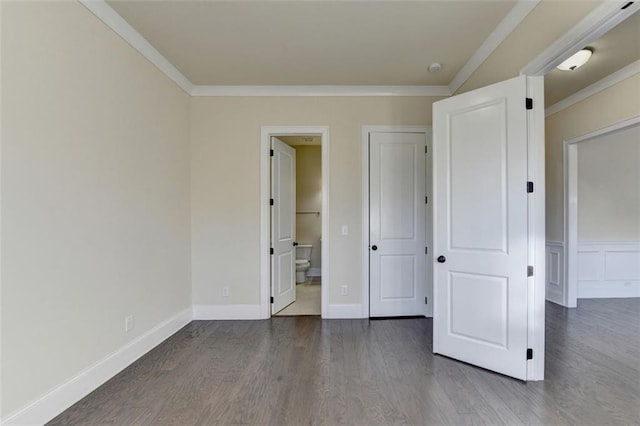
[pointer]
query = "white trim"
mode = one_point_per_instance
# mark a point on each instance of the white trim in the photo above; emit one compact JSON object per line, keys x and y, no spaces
{"x":611,"y":80}
{"x":345,"y":311}
{"x":555,"y":272}
{"x":265,"y":211}
{"x":62,"y":397}
{"x":571,"y":205}
{"x":536,"y":229}
{"x":366,"y":130}
{"x":320,"y":91}
{"x":515,"y":16}
{"x":226,"y":312}
{"x":619,"y":245}
{"x":598,"y":22}
{"x":113,"y":20}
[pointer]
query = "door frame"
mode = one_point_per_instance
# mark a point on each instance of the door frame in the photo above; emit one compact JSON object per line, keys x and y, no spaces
{"x":266,"y":132}
{"x":570,"y":290}
{"x":428,"y":312}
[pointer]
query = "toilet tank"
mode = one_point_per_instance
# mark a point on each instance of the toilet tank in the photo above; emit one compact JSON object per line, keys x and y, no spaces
{"x":303,"y":252}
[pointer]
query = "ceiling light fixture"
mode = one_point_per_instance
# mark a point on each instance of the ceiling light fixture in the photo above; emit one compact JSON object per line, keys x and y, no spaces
{"x":576,"y":60}
{"x":435,"y":67}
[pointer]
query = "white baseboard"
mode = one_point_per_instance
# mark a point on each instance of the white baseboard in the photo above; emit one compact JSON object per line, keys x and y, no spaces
{"x":344,"y":311}
{"x":555,"y":272}
{"x":226,"y":312}
{"x":314,"y":272}
{"x":64,"y":396}
{"x":608,"y":269}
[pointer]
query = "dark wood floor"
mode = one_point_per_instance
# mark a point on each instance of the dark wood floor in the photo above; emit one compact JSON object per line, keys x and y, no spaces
{"x":302,"y":370}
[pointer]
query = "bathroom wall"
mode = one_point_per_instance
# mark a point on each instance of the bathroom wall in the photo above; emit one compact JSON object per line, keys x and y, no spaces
{"x":309,"y":198}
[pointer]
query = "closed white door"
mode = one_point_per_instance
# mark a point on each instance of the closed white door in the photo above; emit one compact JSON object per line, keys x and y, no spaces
{"x":397,"y":223}
{"x":480,"y":227}
{"x":283,"y":225}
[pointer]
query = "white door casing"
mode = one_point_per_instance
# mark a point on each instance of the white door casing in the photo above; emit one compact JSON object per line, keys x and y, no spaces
{"x":480,"y":217}
{"x":283,"y":225}
{"x":397,"y":223}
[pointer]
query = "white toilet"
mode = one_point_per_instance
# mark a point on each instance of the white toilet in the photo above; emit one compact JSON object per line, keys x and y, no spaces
{"x":303,"y":262}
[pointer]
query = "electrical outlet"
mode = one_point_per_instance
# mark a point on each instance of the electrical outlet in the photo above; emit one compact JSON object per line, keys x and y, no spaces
{"x":344,"y":290}
{"x":128,"y":323}
{"x":345,"y":230}
{"x":225,"y":291}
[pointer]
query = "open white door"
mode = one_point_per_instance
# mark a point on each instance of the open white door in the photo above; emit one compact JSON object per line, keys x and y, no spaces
{"x":283,"y":225}
{"x":397,"y":223}
{"x":480,"y":232}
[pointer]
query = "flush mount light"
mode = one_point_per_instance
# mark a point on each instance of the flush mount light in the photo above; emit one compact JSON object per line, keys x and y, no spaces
{"x":577,"y":60}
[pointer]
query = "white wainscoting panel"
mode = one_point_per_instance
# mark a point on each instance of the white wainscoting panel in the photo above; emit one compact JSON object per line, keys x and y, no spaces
{"x":608,"y":269}
{"x":555,"y":272}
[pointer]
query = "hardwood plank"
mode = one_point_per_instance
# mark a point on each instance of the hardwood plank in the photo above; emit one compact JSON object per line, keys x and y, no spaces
{"x":304,"y":370}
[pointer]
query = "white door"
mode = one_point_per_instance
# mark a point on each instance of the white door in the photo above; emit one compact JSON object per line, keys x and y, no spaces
{"x":397,"y":224}
{"x":480,"y":232}
{"x":283,"y":225}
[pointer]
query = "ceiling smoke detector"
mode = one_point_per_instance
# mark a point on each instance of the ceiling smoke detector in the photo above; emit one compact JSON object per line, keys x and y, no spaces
{"x":435,"y":67}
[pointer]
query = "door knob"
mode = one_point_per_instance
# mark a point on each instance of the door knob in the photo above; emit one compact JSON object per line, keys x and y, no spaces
{"x":441,"y":259}
{"x":374,"y":247}
{"x":295,"y":244}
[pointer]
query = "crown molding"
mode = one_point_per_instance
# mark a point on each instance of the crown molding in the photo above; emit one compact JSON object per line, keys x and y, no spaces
{"x":595,"y":24}
{"x":113,"y":20}
{"x":611,"y":80}
{"x":515,"y":16}
{"x":320,"y":91}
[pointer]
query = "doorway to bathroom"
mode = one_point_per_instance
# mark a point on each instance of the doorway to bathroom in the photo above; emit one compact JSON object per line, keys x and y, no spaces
{"x":294,"y":276}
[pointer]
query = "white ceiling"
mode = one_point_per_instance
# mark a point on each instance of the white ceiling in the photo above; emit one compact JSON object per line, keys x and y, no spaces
{"x":613,"y":51}
{"x":315,"y":42}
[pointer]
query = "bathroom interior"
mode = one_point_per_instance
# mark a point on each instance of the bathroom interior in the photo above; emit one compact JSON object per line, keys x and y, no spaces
{"x":308,"y":225}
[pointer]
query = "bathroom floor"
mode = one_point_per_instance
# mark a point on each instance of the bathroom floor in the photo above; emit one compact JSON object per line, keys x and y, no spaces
{"x":308,"y":299}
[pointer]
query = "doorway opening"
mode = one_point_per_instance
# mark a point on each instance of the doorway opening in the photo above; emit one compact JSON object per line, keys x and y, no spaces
{"x":294,"y":234}
{"x":307,"y":224}
{"x":601,"y":205}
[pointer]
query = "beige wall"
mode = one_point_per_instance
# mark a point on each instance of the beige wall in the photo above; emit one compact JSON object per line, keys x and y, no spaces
{"x":547,"y":22}
{"x":609,"y":187}
{"x":225,"y":191}
{"x":309,"y":198}
{"x":95,"y":196}
{"x":603,"y":109}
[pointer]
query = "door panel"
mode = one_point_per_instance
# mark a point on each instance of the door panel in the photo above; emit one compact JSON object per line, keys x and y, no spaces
{"x":397,"y":223}
{"x":283,"y":226}
{"x":480,"y":207}
{"x":486,"y":157}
